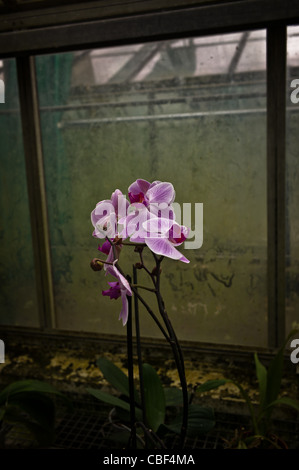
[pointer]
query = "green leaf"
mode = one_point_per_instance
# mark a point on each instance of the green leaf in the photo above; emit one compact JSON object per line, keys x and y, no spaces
{"x":39,"y":407}
{"x":116,"y":377}
{"x":173,"y":396}
{"x":43,"y":435}
{"x":275,"y":373}
{"x":112,"y":400}
{"x":242,"y":445}
{"x":210,"y":385}
{"x":200,"y":421}
{"x":29,"y":403}
{"x":27,"y":386}
{"x":154,"y":397}
{"x":261,"y":373}
{"x":285,"y":401}
{"x":122,"y":438}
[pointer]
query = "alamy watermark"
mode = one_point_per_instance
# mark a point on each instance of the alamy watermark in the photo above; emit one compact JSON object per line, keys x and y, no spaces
{"x":157,"y":220}
{"x":295,"y":353}
{"x":2,"y":91}
{"x":295,"y":94}
{"x":2,"y":352}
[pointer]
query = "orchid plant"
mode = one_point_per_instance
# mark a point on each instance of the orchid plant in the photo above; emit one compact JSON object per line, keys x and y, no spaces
{"x":145,"y":221}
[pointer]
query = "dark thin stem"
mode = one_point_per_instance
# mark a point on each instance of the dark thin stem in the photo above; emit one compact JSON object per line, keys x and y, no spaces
{"x":113,"y":247}
{"x":151,"y":314}
{"x":152,"y":436}
{"x":178,"y":355}
{"x":132,"y":244}
{"x":170,"y":337}
{"x":139,"y":354}
{"x":145,"y":268}
{"x":98,"y":260}
{"x":130,"y":371}
{"x":140,"y":298}
{"x":143,"y":287}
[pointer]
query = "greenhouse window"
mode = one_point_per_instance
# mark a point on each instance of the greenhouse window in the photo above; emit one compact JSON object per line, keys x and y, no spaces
{"x":204,"y":111}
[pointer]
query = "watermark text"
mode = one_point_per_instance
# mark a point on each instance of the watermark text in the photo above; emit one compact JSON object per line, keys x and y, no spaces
{"x":2,"y":91}
{"x":2,"y":352}
{"x":295,"y":93}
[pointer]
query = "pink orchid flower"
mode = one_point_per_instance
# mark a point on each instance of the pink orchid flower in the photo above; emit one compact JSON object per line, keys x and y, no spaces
{"x":107,"y":213}
{"x":105,"y":219}
{"x":120,"y":288}
{"x":163,"y":235}
{"x":148,"y":200}
{"x":107,"y":249}
{"x":151,"y":193}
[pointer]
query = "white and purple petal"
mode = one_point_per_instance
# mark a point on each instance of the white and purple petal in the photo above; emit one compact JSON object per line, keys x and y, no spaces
{"x":178,"y":234}
{"x":157,"y":227}
{"x":119,"y":203}
{"x":133,"y":224}
{"x":105,"y":248}
{"x":137,"y":190}
{"x":162,"y":246}
{"x":124,"y":284}
{"x":161,"y":192}
{"x":102,"y":209}
{"x":125,"y":308}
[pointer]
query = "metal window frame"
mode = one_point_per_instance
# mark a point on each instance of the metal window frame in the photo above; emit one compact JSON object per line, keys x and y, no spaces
{"x":40,"y":36}
{"x":186,"y":22}
{"x":33,"y":152}
{"x":276,"y":163}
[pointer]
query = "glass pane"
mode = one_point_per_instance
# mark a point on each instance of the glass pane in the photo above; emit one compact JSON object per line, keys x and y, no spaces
{"x":18,"y":291}
{"x":191,"y":112}
{"x":292,"y":213}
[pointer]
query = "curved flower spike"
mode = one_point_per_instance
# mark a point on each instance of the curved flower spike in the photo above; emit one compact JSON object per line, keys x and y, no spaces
{"x":121,"y":288}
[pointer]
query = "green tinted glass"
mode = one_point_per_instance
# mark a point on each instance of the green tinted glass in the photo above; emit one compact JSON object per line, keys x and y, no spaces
{"x":18,"y":290}
{"x":292,"y":185}
{"x":191,"y":112}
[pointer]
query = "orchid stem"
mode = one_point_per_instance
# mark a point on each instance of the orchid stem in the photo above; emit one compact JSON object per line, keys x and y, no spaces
{"x":132,"y":244}
{"x":113,"y":247}
{"x":178,"y":355}
{"x":143,"y":287}
{"x":130,"y":371}
{"x":141,"y":299}
{"x":169,"y":335}
{"x":99,"y":261}
{"x":139,"y":354}
{"x":151,"y":314}
{"x":153,"y":436}
{"x":145,"y":268}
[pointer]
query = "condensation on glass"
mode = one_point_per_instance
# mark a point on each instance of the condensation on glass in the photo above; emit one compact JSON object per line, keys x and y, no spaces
{"x":18,"y":301}
{"x":189,"y":111}
{"x":292,"y":186}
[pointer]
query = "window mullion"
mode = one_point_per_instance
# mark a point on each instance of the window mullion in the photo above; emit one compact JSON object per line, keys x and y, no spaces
{"x":36,"y":188}
{"x":276,"y":117}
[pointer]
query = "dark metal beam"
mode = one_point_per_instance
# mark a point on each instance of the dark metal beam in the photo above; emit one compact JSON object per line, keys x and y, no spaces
{"x":32,"y":13}
{"x":138,"y":61}
{"x":237,"y":55}
{"x":276,"y":118}
{"x":187,"y":22}
{"x":36,"y":189}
